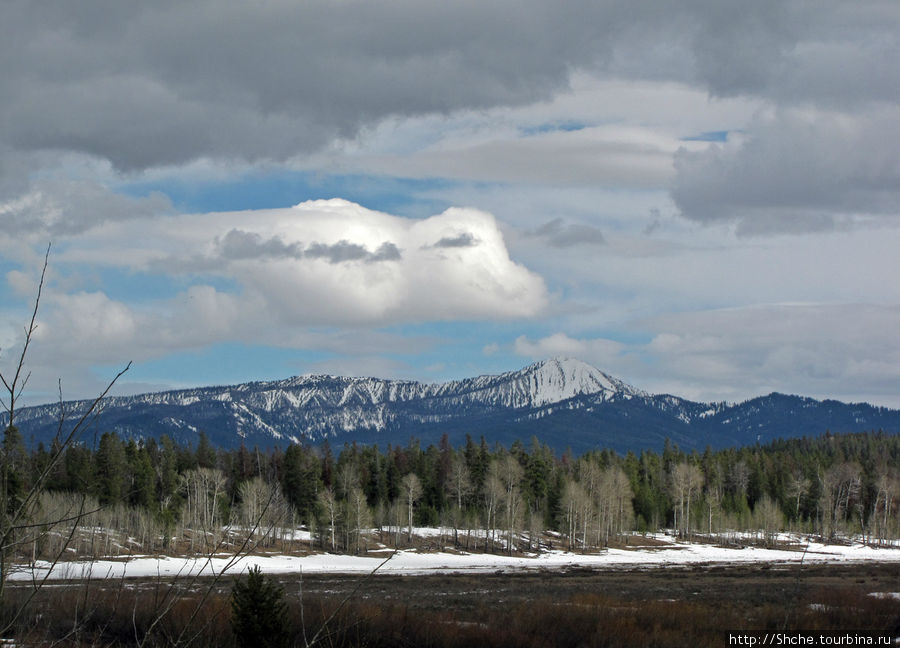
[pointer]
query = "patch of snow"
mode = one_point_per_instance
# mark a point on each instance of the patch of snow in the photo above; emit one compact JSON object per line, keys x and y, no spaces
{"x":411,"y":562}
{"x":886,"y":595}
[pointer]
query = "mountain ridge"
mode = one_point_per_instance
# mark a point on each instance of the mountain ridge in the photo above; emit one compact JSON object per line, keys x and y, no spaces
{"x":563,"y":401}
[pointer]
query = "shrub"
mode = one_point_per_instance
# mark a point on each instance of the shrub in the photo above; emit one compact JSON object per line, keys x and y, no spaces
{"x":258,"y":611}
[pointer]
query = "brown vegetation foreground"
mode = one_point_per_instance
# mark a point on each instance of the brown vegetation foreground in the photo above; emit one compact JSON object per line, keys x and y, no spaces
{"x":696,"y":606}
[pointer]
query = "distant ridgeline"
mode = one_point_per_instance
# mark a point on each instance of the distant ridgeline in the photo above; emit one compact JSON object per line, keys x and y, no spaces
{"x":565,"y":403}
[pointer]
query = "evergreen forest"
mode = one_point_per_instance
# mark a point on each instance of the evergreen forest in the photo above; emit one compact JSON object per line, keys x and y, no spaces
{"x":159,"y":496}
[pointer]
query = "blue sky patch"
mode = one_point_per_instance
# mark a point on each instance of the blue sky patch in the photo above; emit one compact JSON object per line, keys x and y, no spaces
{"x":225,"y":364}
{"x":709,"y":136}
{"x":553,"y":127}
{"x":284,"y":188}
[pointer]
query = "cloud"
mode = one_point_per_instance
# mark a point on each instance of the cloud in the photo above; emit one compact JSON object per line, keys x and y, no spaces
{"x":559,"y":234}
{"x":425,"y":283}
{"x":344,"y":251}
{"x":387,"y":251}
{"x":602,"y":352}
{"x":463,"y":240}
{"x":798,"y":348}
{"x":337,"y":253}
{"x":164,"y":84}
{"x":239,"y":244}
{"x":55,"y":208}
{"x":738,"y":48}
{"x":796,"y":171}
{"x":90,"y":321}
{"x":739,"y":353}
{"x":169,"y":83}
{"x":355,"y":275}
{"x":608,"y":155}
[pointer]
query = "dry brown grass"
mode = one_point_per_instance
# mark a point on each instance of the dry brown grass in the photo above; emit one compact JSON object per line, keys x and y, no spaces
{"x":657,"y":609}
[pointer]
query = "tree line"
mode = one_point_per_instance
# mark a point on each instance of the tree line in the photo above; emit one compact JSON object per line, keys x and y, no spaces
{"x":493,"y":498}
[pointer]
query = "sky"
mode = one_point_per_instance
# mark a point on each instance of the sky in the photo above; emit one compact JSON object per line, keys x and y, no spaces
{"x":701,"y":198}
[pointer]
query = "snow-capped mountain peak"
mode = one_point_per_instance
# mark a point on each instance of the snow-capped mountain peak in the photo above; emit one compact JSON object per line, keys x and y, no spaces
{"x":559,"y":379}
{"x":567,"y":401}
{"x":538,"y":385}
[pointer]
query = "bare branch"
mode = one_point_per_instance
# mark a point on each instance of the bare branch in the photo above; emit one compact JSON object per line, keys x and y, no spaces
{"x":12,"y":385}
{"x":16,"y":516}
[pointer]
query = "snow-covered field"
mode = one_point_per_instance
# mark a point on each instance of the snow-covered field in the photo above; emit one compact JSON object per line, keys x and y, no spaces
{"x":412,"y":562}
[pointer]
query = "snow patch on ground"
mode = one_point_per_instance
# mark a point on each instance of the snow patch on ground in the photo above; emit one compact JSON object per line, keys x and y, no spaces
{"x":412,"y":562}
{"x":886,"y":595}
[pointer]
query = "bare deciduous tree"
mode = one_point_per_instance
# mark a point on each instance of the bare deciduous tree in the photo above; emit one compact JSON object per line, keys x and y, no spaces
{"x":510,"y":472}
{"x":798,"y":486}
{"x":686,"y":481}
{"x":203,"y":489}
{"x":884,"y":510}
{"x":412,"y":491}
{"x":768,"y":518}
{"x":263,"y":507}
{"x":841,"y":485}
{"x":573,"y":502}
{"x":359,"y":515}
{"x":329,"y":505}
{"x":459,"y":485}
{"x":615,"y":503}
{"x":714,"y":490}
{"x":492,"y":492}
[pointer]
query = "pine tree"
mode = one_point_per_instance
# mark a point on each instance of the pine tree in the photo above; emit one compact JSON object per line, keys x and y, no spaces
{"x":300,"y":480}
{"x":142,"y":491}
{"x":110,"y":469}
{"x":258,"y":611}
{"x":14,"y":484}
{"x":206,"y":454}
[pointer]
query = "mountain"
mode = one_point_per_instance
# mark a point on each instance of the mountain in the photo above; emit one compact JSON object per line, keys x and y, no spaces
{"x":564,"y":402}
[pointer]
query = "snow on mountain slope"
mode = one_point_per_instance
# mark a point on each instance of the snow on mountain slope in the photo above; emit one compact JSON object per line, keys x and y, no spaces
{"x":320,"y":405}
{"x":566,"y":402}
{"x":543,"y":383}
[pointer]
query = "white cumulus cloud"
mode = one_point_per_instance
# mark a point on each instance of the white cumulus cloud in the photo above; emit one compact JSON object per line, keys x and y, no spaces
{"x":355,"y":265}
{"x":599,"y":351}
{"x":327,"y":263}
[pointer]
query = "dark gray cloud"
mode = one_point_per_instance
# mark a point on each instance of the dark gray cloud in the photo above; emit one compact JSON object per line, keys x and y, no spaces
{"x":557,"y":233}
{"x":737,"y":47}
{"x":796,"y":171}
{"x":238,"y":244}
{"x":386,"y":252}
{"x":463,"y":240}
{"x":338,"y":252}
{"x":164,"y":83}
{"x":344,"y":251}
